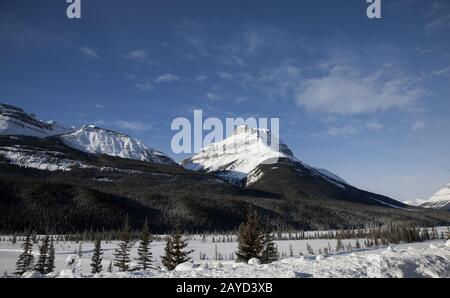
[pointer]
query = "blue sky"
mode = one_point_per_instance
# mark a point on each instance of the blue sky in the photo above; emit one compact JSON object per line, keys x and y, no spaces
{"x":366,"y":99}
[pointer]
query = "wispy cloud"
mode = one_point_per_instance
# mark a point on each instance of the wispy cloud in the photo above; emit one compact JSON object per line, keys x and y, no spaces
{"x":418,"y":125}
{"x":438,"y":16}
{"x":15,"y":33}
{"x":442,"y":71}
{"x":89,"y":53}
{"x":234,"y":49}
{"x":344,"y":131}
{"x":166,"y":78}
{"x":150,"y":84}
{"x":145,"y":86}
{"x":213,"y":96}
{"x":133,"y":125}
{"x":201,"y":78}
{"x":98,"y":106}
{"x":139,"y":55}
{"x":346,"y":90}
{"x":351,"y":127}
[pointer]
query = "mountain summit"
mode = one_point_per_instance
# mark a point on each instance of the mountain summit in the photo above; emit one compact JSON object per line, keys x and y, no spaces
{"x":96,"y":140}
{"x":235,"y":158}
{"x":440,"y":200}
{"x":247,"y":159}
{"x":14,"y":121}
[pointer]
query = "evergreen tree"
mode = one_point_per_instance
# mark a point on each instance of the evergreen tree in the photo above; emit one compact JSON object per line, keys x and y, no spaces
{"x":26,"y":259}
{"x":96,"y":260}
{"x":175,"y":252}
{"x":43,"y":255}
{"x":270,"y":251}
{"x":122,"y":252}
{"x":145,"y":257}
{"x":80,"y":251}
{"x":167,"y":259}
{"x":250,"y":238}
{"x":50,"y":265}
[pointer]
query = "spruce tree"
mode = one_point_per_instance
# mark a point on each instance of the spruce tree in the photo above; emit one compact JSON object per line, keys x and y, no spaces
{"x":26,"y":259}
{"x":96,"y":260}
{"x":175,"y":251}
{"x":122,"y":252}
{"x":250,"y":238}
{"x":80,"y":251}
{"x":50,"y":265}
{"x":270,"y":252}
{"x":145,"y":257}
{"x":167,"y":259}
{"x":43,"y":255}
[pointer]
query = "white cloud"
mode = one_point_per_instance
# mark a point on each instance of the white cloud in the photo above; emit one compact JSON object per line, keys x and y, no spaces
{"x":424,"y":51}
{"x":418,"y":125}
{"x":278,"y":83}
{"x":225,"y":75}
{"x":213,"y":96}
{"x":347,"y":91}
{"x":374,"y":125}
{"x":167,"y":78}
{"x":145,"y":86}
{"x":149,"y":84}
{"x":439,"y":17}
{"x":133,"y":125}
{"x":442,"y":71}
{"x":139,"y":55}
{"x":89,"y":52}
{"x":98,"y":106}
{"x":99,"y":122}
{"x":344,"y":131}
{"x":234,"y":49}
{"x":200,"y":78}
{"x":239,"y":99}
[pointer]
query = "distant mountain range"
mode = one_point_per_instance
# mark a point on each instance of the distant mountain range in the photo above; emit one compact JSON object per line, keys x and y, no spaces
{"x":72,"y":179}
{"x":440,"y":200}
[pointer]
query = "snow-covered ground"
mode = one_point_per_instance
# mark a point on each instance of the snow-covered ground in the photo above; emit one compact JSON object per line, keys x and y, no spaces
{"x":428,"y":259}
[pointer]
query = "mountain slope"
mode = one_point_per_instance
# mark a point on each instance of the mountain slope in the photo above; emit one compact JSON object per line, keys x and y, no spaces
{"x":247,"y":159}
{"x":95,"y":140}
{"x":14,"y":121}
{"x":98,"y":191}
{"x":72,"y":182}
{"x":440,"y":200}
{"x":89,"y":139}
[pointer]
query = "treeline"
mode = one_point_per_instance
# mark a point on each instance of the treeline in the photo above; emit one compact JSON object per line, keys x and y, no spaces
{"x":256,"y":244}
{"x":169,"y":197}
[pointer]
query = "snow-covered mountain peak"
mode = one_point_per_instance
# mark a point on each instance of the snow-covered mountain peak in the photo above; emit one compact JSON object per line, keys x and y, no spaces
{"x":96,"y":140}
{"x":15,"y":121}
{"x":237,"y":157}
{"x":239,"y":154}
{"x":440,"y":200}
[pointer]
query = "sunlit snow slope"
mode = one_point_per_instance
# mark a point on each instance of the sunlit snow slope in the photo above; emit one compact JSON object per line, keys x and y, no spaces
{"x":14,"y":121}
{"x":440,"y":200}
{"x":91,"y":139}
{"x":238,"y":156}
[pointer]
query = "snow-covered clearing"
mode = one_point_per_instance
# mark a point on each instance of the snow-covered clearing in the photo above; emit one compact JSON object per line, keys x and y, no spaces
{"x":428,"y":259}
